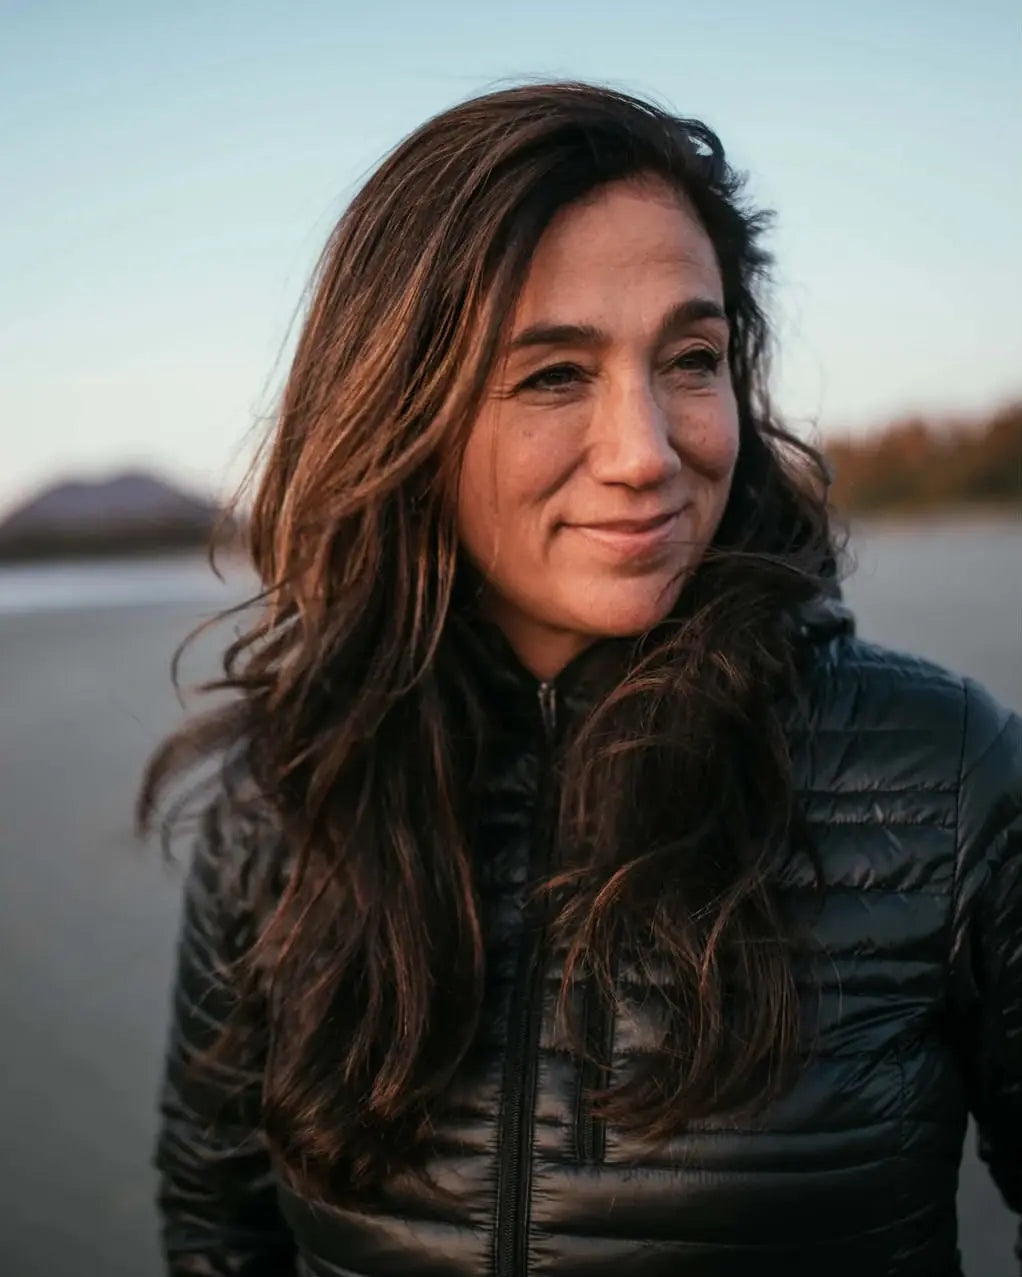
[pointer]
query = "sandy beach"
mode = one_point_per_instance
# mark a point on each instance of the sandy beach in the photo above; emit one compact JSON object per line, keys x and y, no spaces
{"x":88,"y":916}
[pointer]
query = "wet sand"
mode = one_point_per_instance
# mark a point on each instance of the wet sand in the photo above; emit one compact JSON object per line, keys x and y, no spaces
{"x":87,"y":918}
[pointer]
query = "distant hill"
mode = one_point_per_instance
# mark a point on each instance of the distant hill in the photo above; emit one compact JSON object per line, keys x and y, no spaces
{"x":130,"y":513}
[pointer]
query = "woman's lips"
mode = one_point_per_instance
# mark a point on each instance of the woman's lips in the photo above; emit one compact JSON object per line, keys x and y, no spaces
{"x":632,"y":537}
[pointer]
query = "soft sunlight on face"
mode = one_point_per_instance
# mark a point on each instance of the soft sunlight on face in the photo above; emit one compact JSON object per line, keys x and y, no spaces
{"x":600,"y":463}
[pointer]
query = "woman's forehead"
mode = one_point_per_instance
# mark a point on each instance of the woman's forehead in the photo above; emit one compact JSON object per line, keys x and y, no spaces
{"x":635,"y":251}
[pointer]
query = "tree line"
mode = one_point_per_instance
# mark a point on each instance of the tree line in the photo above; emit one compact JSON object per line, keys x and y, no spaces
{"x":919,"y":466}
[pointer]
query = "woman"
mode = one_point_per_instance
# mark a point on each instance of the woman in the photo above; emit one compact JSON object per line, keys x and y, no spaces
{"x":578,"y":894}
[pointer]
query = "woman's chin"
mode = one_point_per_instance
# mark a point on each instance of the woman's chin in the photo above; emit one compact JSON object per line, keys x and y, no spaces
{"x":624,"y":610}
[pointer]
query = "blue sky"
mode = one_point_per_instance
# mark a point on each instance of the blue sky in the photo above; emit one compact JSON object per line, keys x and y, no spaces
{"x":170,"y":173}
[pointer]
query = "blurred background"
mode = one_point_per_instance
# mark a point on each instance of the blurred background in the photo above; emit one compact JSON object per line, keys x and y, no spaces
{"x":170,"y":174}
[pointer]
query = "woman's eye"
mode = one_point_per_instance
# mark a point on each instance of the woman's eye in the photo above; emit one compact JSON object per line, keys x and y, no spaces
{"x":556,"y":377}
{"x":704,"y":362}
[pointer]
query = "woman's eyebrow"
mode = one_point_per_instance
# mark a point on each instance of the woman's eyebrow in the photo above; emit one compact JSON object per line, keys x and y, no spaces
{"x":687,"y":313}
{"x":676,"y":320}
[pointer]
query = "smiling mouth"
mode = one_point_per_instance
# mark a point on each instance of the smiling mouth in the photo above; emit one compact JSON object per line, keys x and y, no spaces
{"x":632,"y":525}
{"x":633,"y":537}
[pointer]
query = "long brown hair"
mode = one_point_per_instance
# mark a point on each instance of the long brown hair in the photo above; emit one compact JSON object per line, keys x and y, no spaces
{"x":347,"y":706}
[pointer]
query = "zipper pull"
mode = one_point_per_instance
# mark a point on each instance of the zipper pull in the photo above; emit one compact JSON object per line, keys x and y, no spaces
{"x":547,"y":692}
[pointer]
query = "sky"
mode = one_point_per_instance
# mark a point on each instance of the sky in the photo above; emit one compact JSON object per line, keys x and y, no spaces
{"x":170,"y":172}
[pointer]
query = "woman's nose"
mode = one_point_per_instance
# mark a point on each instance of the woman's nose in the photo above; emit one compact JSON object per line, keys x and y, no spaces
{"x":631,"y":439}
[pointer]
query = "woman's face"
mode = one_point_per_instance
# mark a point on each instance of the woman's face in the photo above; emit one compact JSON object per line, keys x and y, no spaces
{"x":600,"y":463}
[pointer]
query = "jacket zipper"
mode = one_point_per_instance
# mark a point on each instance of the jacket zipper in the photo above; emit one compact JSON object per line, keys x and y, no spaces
{"x":524,"y":1020}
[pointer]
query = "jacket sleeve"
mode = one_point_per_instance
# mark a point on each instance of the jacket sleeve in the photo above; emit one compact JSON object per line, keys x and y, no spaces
{"x":987,"y":936}
{"x":216,"y":1197}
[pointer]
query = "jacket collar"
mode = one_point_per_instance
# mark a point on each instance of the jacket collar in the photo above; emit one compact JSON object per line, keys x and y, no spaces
{"x":506,"y":687}
{"x":509,"y":690}
{"x":824,"y":618}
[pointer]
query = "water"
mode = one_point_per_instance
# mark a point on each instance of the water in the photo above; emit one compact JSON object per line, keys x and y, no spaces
{"x":115,"y":583}
{"x":950,"y":592}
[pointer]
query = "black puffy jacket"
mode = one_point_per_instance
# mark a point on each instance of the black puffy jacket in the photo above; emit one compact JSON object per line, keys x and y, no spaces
{"x":912,"y":781}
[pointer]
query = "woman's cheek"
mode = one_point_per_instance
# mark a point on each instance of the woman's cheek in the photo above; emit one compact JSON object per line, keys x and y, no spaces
{"x":721,"y":439}
{"x":710,"y":445}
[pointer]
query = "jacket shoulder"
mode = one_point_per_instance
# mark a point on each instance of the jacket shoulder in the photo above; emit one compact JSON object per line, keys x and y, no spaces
{"x":874,"y":719}
{"x":862,"y":688}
